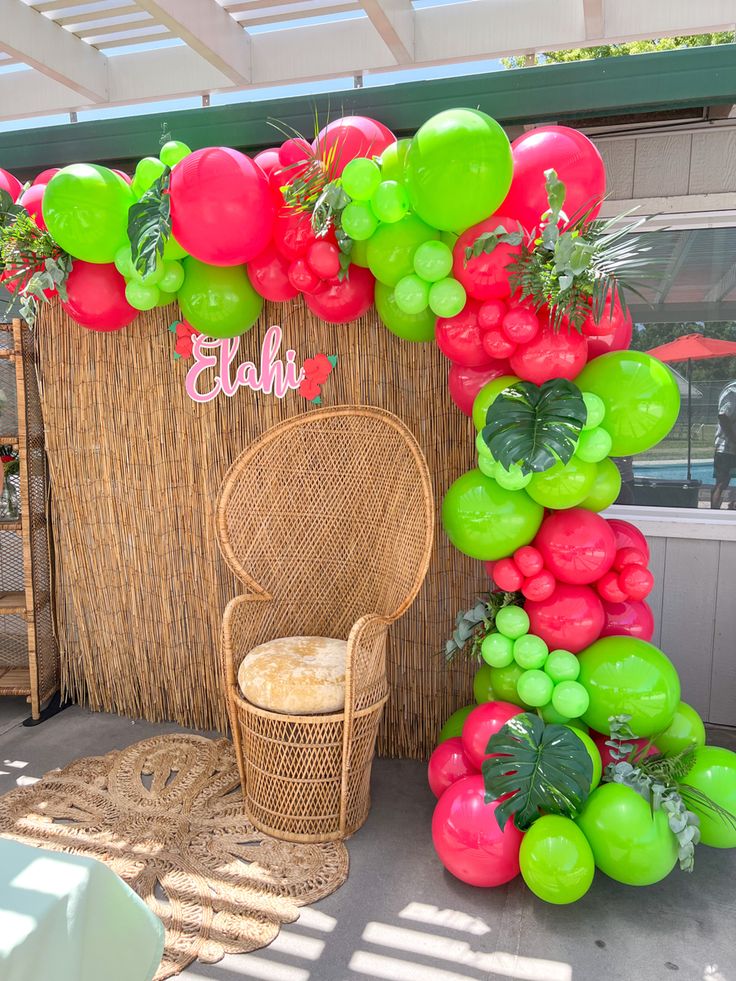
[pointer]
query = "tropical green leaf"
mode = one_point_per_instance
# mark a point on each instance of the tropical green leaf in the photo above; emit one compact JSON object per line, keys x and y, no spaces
{"x":534,"y":427}
{"x":149,"y":225}
{"x":487,"y":242}
{"x":544,"y":769}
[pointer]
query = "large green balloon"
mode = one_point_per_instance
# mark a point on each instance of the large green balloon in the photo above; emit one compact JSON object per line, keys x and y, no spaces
{"x":482,"y":688}
{"x":606,"y":487}
{"x":630,"y":843}
{"x":640,"y":395}
{"x":454,"y":725}
{"x":393,"y":160}
{"x":487,"y":395}
{"x":407,"y":326}
{"x":485,"y":521}
{"x":686,"y":729}
{"x":593,"y":753}
{"x":563,"y":485}
{"x":458,"y":169}
{"x":628,"y":676}
{"x":714,"y":774}
{"x":504,"y":682}
{"x":218,"y":300}
{"x":392,"y":246}
{"x":85,"y":208}
{"x":556,"y":860}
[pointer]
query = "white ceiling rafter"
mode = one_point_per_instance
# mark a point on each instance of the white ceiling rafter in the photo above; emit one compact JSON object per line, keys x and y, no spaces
{"x":394,"y":21}
{"x":595,"y":18}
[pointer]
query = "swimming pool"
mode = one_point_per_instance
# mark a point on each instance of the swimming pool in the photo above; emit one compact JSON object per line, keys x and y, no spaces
{"x":699,"y":470}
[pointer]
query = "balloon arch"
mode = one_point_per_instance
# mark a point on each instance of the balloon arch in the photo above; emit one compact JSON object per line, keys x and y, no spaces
{"x":579,"y":752}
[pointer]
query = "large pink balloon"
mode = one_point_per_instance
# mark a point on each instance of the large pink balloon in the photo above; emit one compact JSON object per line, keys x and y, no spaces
{"x":464,"y":383}
{"x":619,"y":340}
{"x":485,"y":277}
{"x":32,"y":201}
{"x":447,"y":764}
{"x":632,"y":618}
{"x":269,"y":275}
{"x":292,"y":233}
{"x":551,"y":354}
{"x":344,"y":139}
{"x":577,"y":545}
{"x":460,"y":338}
{"x":96,"y":297}
{"x":628,"y":535}
{"x":222,"y":209}
{"x":578,"y":165}
{"x":570,"y":619}
{"x":10,"y":184}
{"x":467,"y":837}
{"x":45,"y":176}
{"x":342,"y":301}
{"x":482,"y":723}
{"x":268,"y":160}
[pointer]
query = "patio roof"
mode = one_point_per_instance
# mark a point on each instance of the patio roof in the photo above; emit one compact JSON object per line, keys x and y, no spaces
{"x":81,"y":54}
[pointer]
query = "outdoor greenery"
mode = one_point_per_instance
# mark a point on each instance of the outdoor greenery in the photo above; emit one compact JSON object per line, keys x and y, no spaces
{"x":616,"y":50}
{"x":647,"y":336}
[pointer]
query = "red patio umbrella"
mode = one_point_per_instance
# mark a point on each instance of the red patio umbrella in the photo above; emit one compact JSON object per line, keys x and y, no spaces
{"x":693,"y":347}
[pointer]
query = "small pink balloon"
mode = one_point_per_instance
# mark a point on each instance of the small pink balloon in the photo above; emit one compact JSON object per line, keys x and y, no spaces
{"x":628,"y":535}
{"x":45,"y":176}
{"x":126,"y":177}
{"x":448,"y":763}
{"x":618,"y":340}
{"x":632,"y":618}
{"x":32,"y":201}
{"x":10,"y":184}
{"x":268,"y":160}
{"x":482,"y":723}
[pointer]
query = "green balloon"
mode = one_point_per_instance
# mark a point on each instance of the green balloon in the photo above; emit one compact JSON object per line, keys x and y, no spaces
{"x":556,"y":860}
{"x":152,"y":278}
{"x":485,"y":521}
{"x":408,"y":326}
{"x":595,"y":408}
{"x":563,"y":485}
{"x":173,"y":151}
{"x":562,"y":666}
{"x":458,"y":169}
{"x":390,"y":202}
{"x":535,"y":688}
{"x":164,"y":299}
{"x":411,"y":294}
{"x":447,"y":297}
{"x":487,"y":395}
{"x":686,"y":729}
{"x":504,"y":682}
{"x":218,"y":300}
{"x":393,"y":160}
{"x":512,"y":622}
{"x":449,"y":239}
{"x":512,"y":479}
{"x":482,"y":447}
{"x":147,"y":170}
{"x":454,"y":725}
{"x":487,"y":465}
{"x":552,"y":717}
{"x":530,"y":651}
{"x":593,"y":445}
{"x":497,"y":650}
{"x":172,"y":277}
{"x":358,"y":221}
{"x":172,"y":250}
{"x":606,"y":487}
{"x":570,"y":699}
{"x":433,"y":261}
{"x":593,"y":752}
{"x":359,"y":254}
{"x":714,"y":774}
{"x":482,"y":688}
{"x":640,"y":395}
{"x":360,"y":178}
{"x":391,"y":249}
{"x":85,"y":208}
{"x":630,"y":842}
{"x":142,"y":296}
{"x":628,"y":676}
{"x":124,"y":261}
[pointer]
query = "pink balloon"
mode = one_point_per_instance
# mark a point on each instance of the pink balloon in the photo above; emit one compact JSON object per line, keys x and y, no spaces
{"x":96,"y":297}
{"x":611,"y":320}
{"x":10,"y":184}
{"x":482,"y":723}
{"x":461,"y":340}
{"x":485,"y":277}
{"x":628,"y":535}
{"x":339,"y":302}
{"x":269,"y":275}
{"x":600,"y":740}
{"x":551,"y":354}
{"x":570,"y":619}
{"x":619,"y":340}
{"x":222,"y":210}
{"x":267,"y":160}
{"x":45,"y":176}
{"x":468,"y":840}
{"x":632,"y":618}
{"x":447,"y":764}
{"x":578,"y":165}
{"x":465,"y":383}
{"x":126,"y":177}
{"x":344,"y":139}
{"x":32,"y":201}
{"x":292,"y":233}
{"x":577,"y":545}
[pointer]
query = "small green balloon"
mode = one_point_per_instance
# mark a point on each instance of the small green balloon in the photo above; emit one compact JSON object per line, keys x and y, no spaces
{"x":552,"y":717}
{"x":124,"y":261}
{"x":454,"y":725}
{"x":433,"y":261}
{"x":593,"y":445}
{"x":172,"y":250}
{"x":147,"y":170}
{"x":153,"y":278}
{"x":360,"y":178}
{"x":512,"y":479}
{"x":172,"y":277}
{"x":563,"y":485}
{"x":358,"y":221}
{"x":593,"y":752}
{"x":411,"y":294}
{"x":415,"y":327}
{"x":359,"y":254}
{"x":482,"y":447}
{"x":447,"y":297}
{"x":488,"y":466}
{"x":497,"y":650}
{"x":530,"y":651}
{"x":164,"y":299}
{"x":556,"y":860}
{"x":482,"y":687}
{"x":596,"y":410}
{"x":631,"y":843}
{"x":218,"y":300}
{"x":504,"y":682}
{"x":390,"y":202}
{"x":487,"y":395}
{"x":449,"y":239}
{"x":570,"y":699}
{"x":391,"y":248}
{"x":714,"y":774}
{"x":140,"y":295}
{"x":562,"y":666}
{"x":686,"y":729}
{"x":172,"y":152}
{"x":512,"y":622}
{"x":393,"y":160}
{"x":606,"y":487}
{"x":535,"y":688}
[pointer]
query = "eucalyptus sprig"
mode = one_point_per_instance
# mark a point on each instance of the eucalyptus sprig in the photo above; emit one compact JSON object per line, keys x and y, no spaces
{"x":473,"y":626}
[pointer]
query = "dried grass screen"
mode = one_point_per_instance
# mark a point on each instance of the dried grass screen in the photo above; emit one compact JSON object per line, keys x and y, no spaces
{"x":135,"y":467}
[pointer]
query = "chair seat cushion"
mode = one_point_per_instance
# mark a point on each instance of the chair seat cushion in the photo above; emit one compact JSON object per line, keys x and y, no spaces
{"x":296,"y":675}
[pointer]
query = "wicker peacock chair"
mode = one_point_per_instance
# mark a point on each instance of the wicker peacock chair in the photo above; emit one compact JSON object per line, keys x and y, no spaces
{"x":328,"y":520}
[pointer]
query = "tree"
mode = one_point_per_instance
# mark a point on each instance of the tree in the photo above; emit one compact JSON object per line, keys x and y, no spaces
{"x":615,"y":50}
{"x":647,"y":336}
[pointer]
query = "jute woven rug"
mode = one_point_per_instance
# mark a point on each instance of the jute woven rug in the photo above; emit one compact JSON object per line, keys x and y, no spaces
{"x":166,"y":815}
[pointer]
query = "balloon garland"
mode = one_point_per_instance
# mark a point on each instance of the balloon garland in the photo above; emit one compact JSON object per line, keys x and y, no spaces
{"x":579,"y":753}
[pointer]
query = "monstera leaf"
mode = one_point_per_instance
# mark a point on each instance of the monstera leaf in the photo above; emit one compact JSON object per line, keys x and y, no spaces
{"x":534,"y":426}
{"x":544,"y":768}
{"x":149,"y":225}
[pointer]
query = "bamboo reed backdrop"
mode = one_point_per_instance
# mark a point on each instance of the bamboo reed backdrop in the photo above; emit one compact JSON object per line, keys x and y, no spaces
{"x":135,"y":468}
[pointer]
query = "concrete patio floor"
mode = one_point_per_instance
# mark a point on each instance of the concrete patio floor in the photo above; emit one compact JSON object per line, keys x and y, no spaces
{"x":401,"y":917}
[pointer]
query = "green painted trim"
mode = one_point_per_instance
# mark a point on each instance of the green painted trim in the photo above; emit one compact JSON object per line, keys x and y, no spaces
{"x":627,"y":84}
